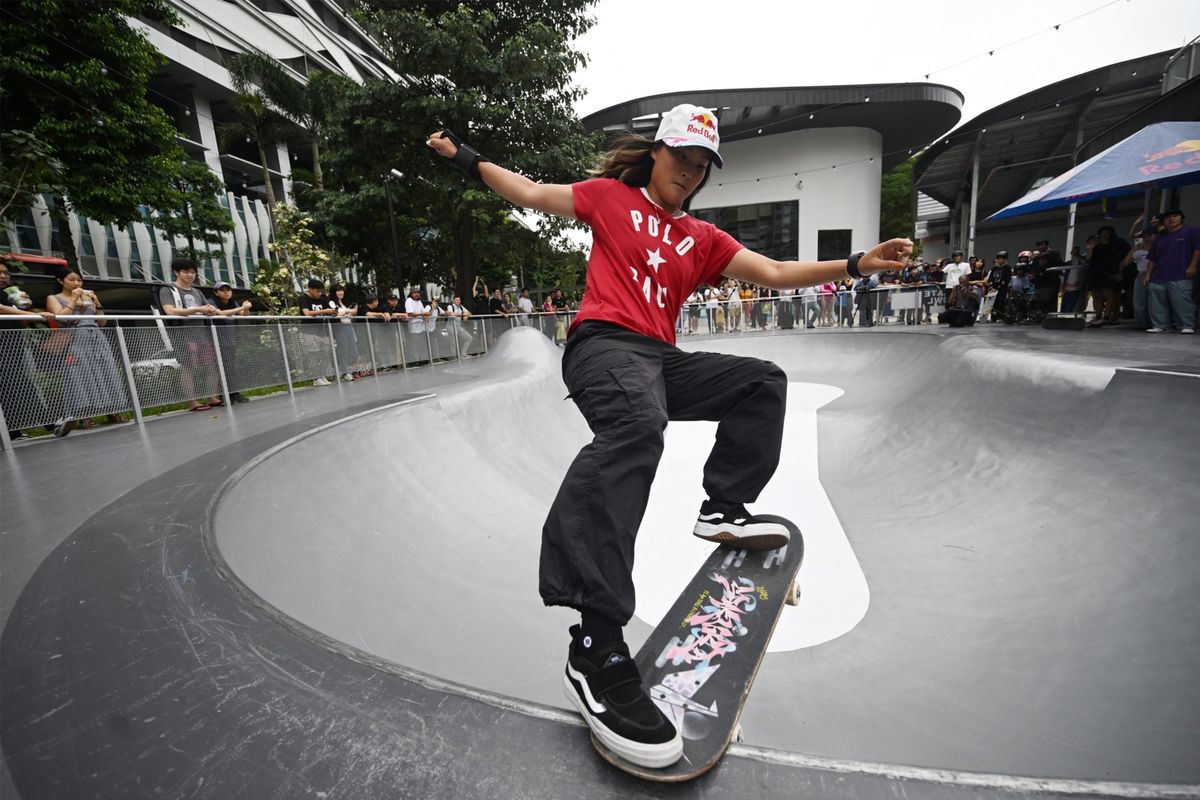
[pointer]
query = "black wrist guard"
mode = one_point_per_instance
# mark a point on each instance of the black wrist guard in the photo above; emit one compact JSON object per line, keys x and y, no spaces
{"x":466,"y":157}
{"x":852,"y":265}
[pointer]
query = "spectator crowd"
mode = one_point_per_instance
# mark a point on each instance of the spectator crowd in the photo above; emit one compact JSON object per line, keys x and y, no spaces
{"x":1148,"y":280}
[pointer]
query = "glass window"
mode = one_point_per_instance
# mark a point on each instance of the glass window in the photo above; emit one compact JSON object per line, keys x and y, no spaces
{"x":833,"y":245}
{"x":767,"y":228}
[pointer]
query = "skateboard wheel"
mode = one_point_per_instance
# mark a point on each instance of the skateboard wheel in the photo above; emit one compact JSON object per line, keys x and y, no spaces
{"x":793,"y":595}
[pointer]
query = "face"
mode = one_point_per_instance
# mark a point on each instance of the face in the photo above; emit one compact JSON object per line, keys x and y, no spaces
{"x":225,"y":293}
{"x":676,"y":174}
{"x":457,"y":300}
{"x":4,"y":277}
{"x":1174,"y":222}
{"x":962,"y":280}
{"x":339,"y":294}
{"x":72,"y":282}
{"x":186,"y":276}
{"x":314,"y":292}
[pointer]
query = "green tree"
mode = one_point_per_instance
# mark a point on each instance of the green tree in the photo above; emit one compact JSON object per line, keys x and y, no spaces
{"x":499,"y":75}
{"x":896,"y":202}
{"x":27,"y":171}
{"x":74,"y":75}
{"x":193,"y":211}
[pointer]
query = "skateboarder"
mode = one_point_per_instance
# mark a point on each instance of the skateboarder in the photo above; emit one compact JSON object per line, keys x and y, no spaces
{"x":628,"y":379}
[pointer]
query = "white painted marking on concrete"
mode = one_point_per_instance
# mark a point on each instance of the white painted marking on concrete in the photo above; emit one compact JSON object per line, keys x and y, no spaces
{"x":834,"y":592}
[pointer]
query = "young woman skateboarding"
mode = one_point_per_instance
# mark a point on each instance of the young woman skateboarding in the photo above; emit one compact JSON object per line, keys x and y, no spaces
{"x":628,"y":379}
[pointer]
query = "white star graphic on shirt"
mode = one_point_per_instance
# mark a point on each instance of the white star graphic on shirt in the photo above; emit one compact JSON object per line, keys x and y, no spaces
{"x":654,"y":258}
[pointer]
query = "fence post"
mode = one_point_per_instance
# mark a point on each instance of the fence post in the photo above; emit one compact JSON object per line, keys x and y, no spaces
{"x":220,"y":365}
{"x":337,"y":368}
{"x":371,"y":347}
{"x":429,"y":340}
{"x":400,"y":347}
{"x":287,"y":368}
{"x":133,"y":392}
{"x":5,"y":440}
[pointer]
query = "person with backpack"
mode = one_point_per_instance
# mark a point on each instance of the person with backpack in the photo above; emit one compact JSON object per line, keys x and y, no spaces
{"x":190,"y":336}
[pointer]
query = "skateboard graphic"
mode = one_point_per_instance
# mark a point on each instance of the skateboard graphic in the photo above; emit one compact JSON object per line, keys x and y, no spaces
{"x":699,"y":662}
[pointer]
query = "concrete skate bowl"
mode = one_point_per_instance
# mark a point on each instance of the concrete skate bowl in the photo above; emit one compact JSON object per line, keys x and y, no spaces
{"x":1001,"y":546}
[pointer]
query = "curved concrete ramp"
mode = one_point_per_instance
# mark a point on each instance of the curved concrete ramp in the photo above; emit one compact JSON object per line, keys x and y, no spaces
{"x":1046,"y":630}
{"x":975,"y":506}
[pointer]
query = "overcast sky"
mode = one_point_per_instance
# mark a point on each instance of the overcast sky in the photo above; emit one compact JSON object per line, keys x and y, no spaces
{"x":644,"y":47}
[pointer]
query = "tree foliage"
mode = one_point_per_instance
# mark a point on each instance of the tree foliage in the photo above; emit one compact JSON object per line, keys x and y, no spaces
{"x":28,"y":169}
{"x":499,"y":75}
{"x":75,"y":75}
{"x":192,"y":210}
{"x":896,"y":202}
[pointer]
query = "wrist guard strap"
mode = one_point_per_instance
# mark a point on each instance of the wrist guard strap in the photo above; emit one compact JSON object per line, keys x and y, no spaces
{"x":466,"y":157}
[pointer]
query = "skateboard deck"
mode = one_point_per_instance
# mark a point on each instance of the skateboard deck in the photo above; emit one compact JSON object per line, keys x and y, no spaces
{"x":699,"y":663}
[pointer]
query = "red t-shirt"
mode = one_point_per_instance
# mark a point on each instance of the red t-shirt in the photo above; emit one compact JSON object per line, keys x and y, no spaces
{"x":644,"y":262}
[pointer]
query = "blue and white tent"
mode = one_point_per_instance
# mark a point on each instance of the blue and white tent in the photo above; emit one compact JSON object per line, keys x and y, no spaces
{"x":1161,"y":155}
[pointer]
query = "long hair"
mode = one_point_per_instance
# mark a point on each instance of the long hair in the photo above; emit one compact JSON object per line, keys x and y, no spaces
{"x":628,"y":160}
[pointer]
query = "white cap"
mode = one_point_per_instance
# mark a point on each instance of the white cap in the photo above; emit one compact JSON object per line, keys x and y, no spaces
{"x":690,"y":126}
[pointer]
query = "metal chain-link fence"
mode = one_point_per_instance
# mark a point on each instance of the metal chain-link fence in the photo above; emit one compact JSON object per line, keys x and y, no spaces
{"x":137,"y":363}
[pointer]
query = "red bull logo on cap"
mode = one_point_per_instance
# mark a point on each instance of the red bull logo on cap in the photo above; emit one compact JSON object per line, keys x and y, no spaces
{"x":1165,"y":161}
{"x":705,"y":125}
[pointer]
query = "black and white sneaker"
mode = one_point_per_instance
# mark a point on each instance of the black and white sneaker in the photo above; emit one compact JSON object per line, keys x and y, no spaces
{"x":606,"y":688}
{"x":731,"y":523}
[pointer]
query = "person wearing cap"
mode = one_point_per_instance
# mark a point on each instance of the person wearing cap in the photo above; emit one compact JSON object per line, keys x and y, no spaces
{"x":316,"y":307}
{"x":227,"y":308}
{"x":996,"y":281}
{"x":1171,"y":274}
{"x":956,"y":268}
{"x":628,"y":379}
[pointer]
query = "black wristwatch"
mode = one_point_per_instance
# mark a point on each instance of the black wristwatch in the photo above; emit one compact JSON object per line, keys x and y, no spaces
{"x":852,"y":264}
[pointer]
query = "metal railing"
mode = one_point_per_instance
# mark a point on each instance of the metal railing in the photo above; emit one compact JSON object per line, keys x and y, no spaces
{"x":135,"y":363}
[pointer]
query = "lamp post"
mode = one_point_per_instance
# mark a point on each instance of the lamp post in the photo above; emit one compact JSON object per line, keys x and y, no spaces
{"x":387,"y":188}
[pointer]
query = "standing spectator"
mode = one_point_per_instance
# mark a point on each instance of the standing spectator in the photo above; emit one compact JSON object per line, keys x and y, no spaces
{"x":865,"y":293}
{"x":524,"y":307}
{"x":480,"y":307}
{"x":459,"y":314}
{"x":393,"y":309}
{"x":496,"y":304}
{"x":190,"y":338}
{"x":345,"y":338}
{"x":997,"y":280}
{"x":1073,"y":283}
{"x":827,"y":295}
{"x":712,"y":301}
{"x":560,"y":320}
{"x":1045,"y":283}
{"x":952,"y":272}
{"x":1170,"y":273}
{"x":418,"y":313}
{"x":20,"y":396}
{"x":369,"y":309}
{"x":1139,"y":257}
{"x":91,"y":379}
{"x":317,"y":308}
{"x":1020,"y":290}
{"x":1104,"y":275}
{"x":810,"y":304}
{"x":223,"y":301}
{"x":733,"y":306}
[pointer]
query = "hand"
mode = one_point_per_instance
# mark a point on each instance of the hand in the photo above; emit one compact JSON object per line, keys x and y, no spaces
{"x":47,"y":315}
{"x":77,"y":294}
{"x":1190,"y":272}
{"x":208,"y":310}
{"x":442,"y":146}
{"x":886,"y":255}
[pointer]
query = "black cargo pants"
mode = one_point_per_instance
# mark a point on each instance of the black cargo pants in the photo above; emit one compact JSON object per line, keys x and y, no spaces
{"x":628,"y":386}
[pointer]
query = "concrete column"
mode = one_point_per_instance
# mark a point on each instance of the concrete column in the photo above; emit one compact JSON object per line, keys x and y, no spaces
{"x":208,"y":134}
{"x":974,"y":193}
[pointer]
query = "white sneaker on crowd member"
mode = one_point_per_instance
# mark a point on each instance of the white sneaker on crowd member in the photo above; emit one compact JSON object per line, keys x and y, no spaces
{"x":1154,"y":330}
{"x":321,"y":382}
{"x":1187,"y":330}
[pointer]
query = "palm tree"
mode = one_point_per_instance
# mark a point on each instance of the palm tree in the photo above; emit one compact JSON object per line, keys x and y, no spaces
{"x":307,"y":105}
{"x":256,"y":122}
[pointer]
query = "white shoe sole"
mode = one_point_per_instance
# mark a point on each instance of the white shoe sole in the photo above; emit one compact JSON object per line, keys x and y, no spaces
{"x":651,"y":756}
{"x":760,"y":536}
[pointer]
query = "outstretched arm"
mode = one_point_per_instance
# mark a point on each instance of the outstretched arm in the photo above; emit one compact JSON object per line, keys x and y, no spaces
{"x":548,"y":198}
{"x":748,"y":265}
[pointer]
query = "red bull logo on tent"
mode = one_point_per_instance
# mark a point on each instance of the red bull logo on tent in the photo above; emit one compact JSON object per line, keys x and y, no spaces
{"x":1172,"y":158}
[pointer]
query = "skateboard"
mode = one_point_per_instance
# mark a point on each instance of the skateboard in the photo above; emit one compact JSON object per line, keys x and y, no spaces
{"x":699,"y":663}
